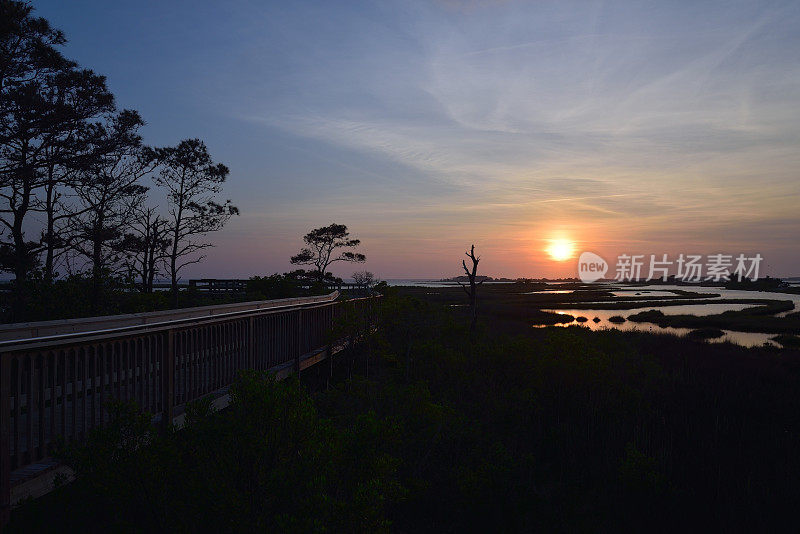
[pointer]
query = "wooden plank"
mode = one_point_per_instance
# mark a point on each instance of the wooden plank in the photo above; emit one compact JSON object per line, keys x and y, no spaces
{"x":5,"y":438}
{"x":53,"y":397}
{"x":42,"y":393}
{"x":168,"y":380}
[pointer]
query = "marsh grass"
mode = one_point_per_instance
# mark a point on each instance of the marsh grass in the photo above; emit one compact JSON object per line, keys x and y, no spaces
{"x":427,"y":427}
{"x":754,"y":319}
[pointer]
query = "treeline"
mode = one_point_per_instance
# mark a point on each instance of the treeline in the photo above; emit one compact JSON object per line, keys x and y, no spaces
{"x":76,"y":204}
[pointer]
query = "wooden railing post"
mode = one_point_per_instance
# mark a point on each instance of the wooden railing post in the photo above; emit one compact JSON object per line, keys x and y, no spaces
{"x":168,"y":381}
{"x":5,"y":439}
{"x":299,"y":350}
{"x":330,"y":312}
{"x":251,"y":347}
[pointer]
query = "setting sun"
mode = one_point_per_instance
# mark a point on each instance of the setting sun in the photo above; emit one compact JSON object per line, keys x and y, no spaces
{"x":561,"y":249}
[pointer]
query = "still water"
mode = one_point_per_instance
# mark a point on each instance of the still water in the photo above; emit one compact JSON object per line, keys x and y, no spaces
{"x":747,"y":339}
{"x":664,"y":292}
{"x":722,"y":292}
{"x":431,"y":283}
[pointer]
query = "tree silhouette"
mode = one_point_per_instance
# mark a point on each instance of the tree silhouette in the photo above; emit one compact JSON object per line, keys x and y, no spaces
{"x":324,"y":248}
{"x":472,"y":292}
{"x":65,"y":162}
{"x":44,"y":100}
{"x":364,"y":279}
{"x":191,"y":180}
{"x":146,"y":246}
{"x":70,"y":167}
{"x":108,"y":191}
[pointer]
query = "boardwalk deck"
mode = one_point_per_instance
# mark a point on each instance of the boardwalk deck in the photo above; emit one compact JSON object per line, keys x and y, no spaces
{"x":57,"y":386}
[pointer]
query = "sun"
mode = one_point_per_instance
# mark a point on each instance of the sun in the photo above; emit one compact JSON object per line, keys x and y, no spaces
{"x":561,"y":249}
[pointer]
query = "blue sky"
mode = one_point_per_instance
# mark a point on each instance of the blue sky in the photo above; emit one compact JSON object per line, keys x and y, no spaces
{"x":624,"y":127}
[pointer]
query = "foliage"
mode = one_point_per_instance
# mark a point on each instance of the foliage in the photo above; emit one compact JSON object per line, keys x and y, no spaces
{"x":275,"y":286}
{"x":108,"y":193}
{"x":191,"y":180}
{"x":788,"y":341}
{"x":760,"y":318}
{"x":705,"y":333}
{"x":269,"y":462}
{"x":364,"y":279}
{"x":431,"y":429}
{"x":145,"y":244}
{"x":323,"y":249}
{"x":68,"y":298}
{"x":71,"y":167}
{"x":45,"y":102}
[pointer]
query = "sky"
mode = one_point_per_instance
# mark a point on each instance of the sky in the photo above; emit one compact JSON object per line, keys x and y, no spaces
{"x":620,"y":127}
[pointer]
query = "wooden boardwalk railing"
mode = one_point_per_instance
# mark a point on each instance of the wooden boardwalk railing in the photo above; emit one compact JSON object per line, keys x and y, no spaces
{"x":40,"y":329}
{"x":57,"y":386}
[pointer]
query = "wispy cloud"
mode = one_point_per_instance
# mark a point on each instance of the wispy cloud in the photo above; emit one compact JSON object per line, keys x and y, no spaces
{"x":439,"y":123}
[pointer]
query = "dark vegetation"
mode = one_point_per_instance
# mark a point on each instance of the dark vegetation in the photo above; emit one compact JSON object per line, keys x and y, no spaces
{"x":705,"y":333}
{"x":424,"y":425}
{"x":766,"y":283}
{"x":549,"y":318}
{"x":617,"y":303}
{"x":754,"y":319}
{"x":325,"y":246}
{"x":529,"y":302}
{"x":788,"y":341}
{"x":91,"y":216}
{"x":425,"y":428}
{"x":83,"y":201}
{"x":67,"y":298}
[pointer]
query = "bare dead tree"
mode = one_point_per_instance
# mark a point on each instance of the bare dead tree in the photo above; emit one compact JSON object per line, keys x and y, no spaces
{"x":472,"y":291}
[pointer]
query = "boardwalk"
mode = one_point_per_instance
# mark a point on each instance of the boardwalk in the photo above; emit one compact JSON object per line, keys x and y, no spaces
{"x":57,"y":385}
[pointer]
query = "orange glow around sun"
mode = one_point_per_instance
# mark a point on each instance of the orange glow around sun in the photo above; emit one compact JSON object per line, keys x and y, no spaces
{"x":561,"y":249}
